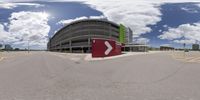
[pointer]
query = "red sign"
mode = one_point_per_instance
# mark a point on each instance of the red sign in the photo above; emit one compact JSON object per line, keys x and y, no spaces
{"x":105,"y":48}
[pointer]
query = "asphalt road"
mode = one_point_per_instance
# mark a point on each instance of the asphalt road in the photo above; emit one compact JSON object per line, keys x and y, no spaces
{"x":56,"y":76}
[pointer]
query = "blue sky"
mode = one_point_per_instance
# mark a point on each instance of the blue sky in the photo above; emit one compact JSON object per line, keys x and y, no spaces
{"x":173,"y":15}
{"x":159,"y":23}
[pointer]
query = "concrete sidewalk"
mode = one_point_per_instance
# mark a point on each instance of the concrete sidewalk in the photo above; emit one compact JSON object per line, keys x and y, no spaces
{"x":124,"y":54}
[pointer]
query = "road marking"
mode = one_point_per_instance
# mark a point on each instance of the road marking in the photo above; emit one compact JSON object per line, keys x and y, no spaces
{"x":1,"y":58}
{"x":189,"y":59}
{"x":67,"y":56}
{"x":109,"y":48}
{"x":196,"y":59}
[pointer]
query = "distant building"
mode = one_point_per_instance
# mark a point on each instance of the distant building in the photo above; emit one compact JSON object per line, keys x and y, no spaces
{"x":135,"y":48}
{"x":77,"y":36}
{"x":129,"y":36}
{"x":1,"y":46}
{"x":166,"y":48}
{"x":195,"y":47}
{"x":17,"y":49}
{"x":8,"y":47}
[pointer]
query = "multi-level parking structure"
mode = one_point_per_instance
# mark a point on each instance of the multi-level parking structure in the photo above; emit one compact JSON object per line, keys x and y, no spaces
{"x":76,"y":36}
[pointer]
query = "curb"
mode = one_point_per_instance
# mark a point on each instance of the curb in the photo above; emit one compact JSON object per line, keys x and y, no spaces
{"x":89,"y":57}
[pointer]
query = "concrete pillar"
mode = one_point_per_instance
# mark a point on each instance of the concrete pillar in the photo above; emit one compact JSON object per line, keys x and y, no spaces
{"x":70,"y":46}
{"x":82,"y":50}
{"x":110,"y":33}
{"x":60,"y":47}
{"x":89,"y":44}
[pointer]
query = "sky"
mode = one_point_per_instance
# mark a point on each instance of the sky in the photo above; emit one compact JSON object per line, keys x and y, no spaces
{"x":156,"y":22}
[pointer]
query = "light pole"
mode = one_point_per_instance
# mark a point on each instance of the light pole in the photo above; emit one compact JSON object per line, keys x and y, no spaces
{"x":3,"y":45}
{"x":28,"y":46}
{"x":184,"y":44}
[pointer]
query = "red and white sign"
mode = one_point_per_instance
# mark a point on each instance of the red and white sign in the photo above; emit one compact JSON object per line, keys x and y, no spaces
{"x":105,"y":48}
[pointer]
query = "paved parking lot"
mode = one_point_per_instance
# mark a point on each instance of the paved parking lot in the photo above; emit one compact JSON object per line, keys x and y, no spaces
{"x":60,"y":76}
{"x":187,"y":56}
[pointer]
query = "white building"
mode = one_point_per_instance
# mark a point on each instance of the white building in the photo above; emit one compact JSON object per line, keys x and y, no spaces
{"x":129,"y":36}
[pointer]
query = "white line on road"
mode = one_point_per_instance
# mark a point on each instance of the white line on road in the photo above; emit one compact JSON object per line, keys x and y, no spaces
{"x":67,"y":56}
{"x":1,"y":58}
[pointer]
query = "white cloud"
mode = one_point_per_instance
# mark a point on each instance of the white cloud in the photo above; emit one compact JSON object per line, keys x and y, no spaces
{"x":154,"y":1}
{"x":189,"y":10}
{"x":135,"y":14}
{"x":97,"y":17}
{"x":13,"y":5}
{"x":188,"y":33}
{"x":27,"y":26}
{"x":141,"y":40}
{"x":185,"y":41}
{"x":165,"y":26}
{"x":167,"y":45}
{"x":171,"y":34}
{"x":65,"y":22}
{"x":7,"y":5}
{"x":19,"y":0}
{"x":198,"y":5}
{"x":4,"y":35}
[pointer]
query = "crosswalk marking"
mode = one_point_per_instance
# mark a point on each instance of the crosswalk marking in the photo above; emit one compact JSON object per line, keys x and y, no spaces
{"x":194,"y":59}
{"x":1,"y":58}
{"x":186,"y":58}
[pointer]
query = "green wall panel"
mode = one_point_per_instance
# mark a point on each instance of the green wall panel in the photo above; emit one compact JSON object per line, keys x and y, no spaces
{"x":122,"y":34}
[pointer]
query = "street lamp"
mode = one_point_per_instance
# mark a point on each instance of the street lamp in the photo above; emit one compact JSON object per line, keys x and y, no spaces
{"x":3,"y":44}
{"x":184,"y":44}
{"x":28,"y":46}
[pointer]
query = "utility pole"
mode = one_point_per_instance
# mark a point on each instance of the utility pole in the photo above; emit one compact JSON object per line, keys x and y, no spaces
{"x":184,"y":44}
{"x":3,"y":44}
{"x":28,"y":46}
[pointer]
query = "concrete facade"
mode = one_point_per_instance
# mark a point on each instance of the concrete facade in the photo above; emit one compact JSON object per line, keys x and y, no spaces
{"x":129,"y":36}
{"x":76,"y":36}
{"x":166,"y":48}
{"x":135,"y":48}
